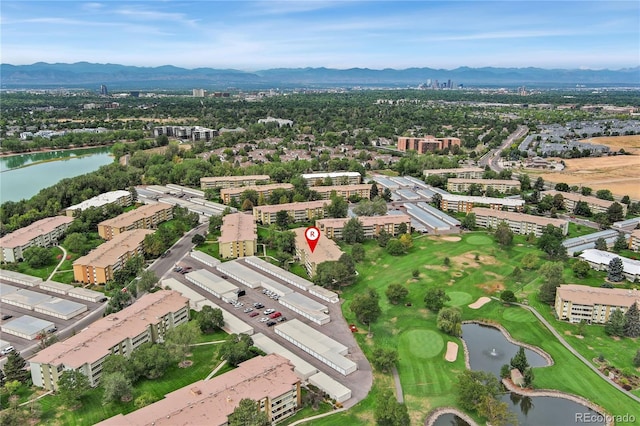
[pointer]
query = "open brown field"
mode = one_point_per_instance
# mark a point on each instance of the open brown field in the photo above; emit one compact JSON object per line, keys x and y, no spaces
{"x":620,"y":174}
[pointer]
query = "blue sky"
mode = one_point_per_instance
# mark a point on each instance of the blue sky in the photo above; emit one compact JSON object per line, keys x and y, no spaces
{"x":253,"y":35}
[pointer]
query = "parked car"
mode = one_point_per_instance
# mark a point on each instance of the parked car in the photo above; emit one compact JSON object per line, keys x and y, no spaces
{"x":7,"y":350}
{"x":282,"y":319}
{"x":6,"y":317}
{"x":247,"y":310}
{"x":275,"y":315}
{"x":254,"y":314}
{"x":269,"y":311}
{"x":258,"y":305}
{"x":271,"y":323}
{"x":264,"y":319}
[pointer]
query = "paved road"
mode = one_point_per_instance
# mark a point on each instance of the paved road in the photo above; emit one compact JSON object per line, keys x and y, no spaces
{"x":163,"y":265}
{"x":492,"y":158}
{"x":578,"y":221}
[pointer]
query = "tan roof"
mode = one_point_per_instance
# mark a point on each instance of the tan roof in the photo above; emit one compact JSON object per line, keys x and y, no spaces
{"x":98,"y":338}
{"x":341,"y":188}
{"x":585,"y":295}
{"x":258,"y":188}
{"x":274,"y":208}
{"x":22,"y":236}
{"x":210,"y":402}
{"x":458,"y":170}
{"x":129,"y":218}
{"x":518,"y":217}
{"x":237,"y":227}
{"x":365,"y":220}
{"x":326,"y":249}
{"x":579,"y":197}
{"x":485,"y":181}
{"x":108,"y":253}
{"x":233,"y":178}
{"x":635,"y":233}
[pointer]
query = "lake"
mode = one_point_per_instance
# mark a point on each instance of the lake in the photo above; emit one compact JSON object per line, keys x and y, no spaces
{"x":23,"y":176}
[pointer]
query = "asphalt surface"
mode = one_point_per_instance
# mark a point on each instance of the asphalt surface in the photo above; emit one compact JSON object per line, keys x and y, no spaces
{"x":492,"y":158}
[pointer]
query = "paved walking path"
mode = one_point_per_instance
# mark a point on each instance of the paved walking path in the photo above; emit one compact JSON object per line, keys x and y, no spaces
{"x":319,"y":416}
{"x":215,"y":370}
{"x":215,"y":342}
{"x":64,"y":257}
{"x":574,"y":352}
{"x":35,"y":399}
{"x":396,"y":379}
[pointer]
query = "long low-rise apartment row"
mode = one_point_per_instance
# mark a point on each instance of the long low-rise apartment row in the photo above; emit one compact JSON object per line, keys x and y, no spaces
{"x":233,"y":181}
{"x":325,"y":250}
{"x":465,"y":203}
{"x":147,"y":320}
{"x":600,"y":260}
{"x":371,"y":225}
{"x":228,"y":194}
{"x":571,"y":199}
{"x":461,"y":173}
{"x":500,"y":185}
{"x":238,"y":236}
{"x":298,"y":212}
{"x":336,"y":178}
{"x":118,"y":198}
{"x":43,"y":233}
{"x":575,"y":303}
{"x":519,"y":223}
{"x":101,"y":263}
{"x":148,"y":216}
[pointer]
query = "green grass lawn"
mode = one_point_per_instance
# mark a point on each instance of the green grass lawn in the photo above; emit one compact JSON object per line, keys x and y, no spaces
{"x":212,"y":249}
{"x":42,"y":272}
{"x":576,"y":230}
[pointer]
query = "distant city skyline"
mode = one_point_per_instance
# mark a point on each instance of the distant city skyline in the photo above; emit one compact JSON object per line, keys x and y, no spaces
{"x":253,"y":35}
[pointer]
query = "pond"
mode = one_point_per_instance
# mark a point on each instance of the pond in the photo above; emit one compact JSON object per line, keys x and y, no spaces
{"x":488,"y":351}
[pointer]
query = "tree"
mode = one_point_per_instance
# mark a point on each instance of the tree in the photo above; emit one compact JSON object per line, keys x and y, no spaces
{"x":519,"y":360}
{"x":366,"y":306}
{"x":179,"y":339}
{"x":390,"y":412}
{"x":601,"y":244}
{"x":46,"y":339}
{"x":210,"y":319}
{"x":582,"y":209}
{"x":581,"y":268}
{"x":563,"y":187}
{"x":558,"y":202}
{"x":146,"y":281}
{"x":636,"y":359}
{"x":449,"y":321}
{"x":117,"y":387}
{"x":215,"y":223}
{"x":77,"y":243}
{"x":72,"y":385}
{"x":150,"y":360}
{"x":620,"y":244}
{"x":615,"y":272}
{"x":383,"y":238}
{"x":497,"y":412}
{"x":247,"y":205}
{"x":508,"y":296}
{"x":528,"y":377}
{"x":198,"y":239}
{"x":539,"y":184}
{"x":529,"y":261}
{"x":552,"y":273}
{"x":615,"y":325}
{"x":436,"y":200}
{"x":604,"y":194}
{"x":435,"y":299}
{"x":357,"y":252}
{"x":615,"y":212}
{"x":115,"y":363}
{"x":403,"y":229}
{"x":236,"y":348}
{"x":469,"y":221}
{"x":248,"y":413}
{"x":386,"y":195}
{"x":374,"y":191}
{"x":625,"y":200}
{"x":395,"y":247}
{"x":504,"y":234}
{"x":396,"y":293}
{"x":632,"y":321}
{"x":353,"y":231}
{"x":525,"y":182}
{"x":14,"y":368}
{"x":551,"y":242}
{"x":384,"y":359}
{"x":473,"y":386}
{"x":282,"y":219}
{"x":37,"y":257}
{"x":338,"y":207}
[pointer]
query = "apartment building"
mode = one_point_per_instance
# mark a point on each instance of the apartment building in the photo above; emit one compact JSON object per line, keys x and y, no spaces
{"x":463,"y":184}
{"x":43,"y":233}
{"x":232,"y":181}
{"x":371,"y":225}
{"x":269,"y":380}
{"x":461,"y":173}
{"x":596,"y":205}
{"x":326,"y":250}
{"x":298,"y":212}
{"x":193,"y":133}
{"x":238,"y":237}
{"x":575,"y":303}
{"x":121,"y":333}
{"x":634,"y":240}
{"x":426,"y":144}
{"x":362,"y":190}
{"x":228,"y":194}
{"x":337,"y":178}
{"x":519,"y":223}
{"x":101,"y":263}
{"x":465,"y":203}
{"x":148,"y":216}
{"x":119,"y":198}
{"x":599,"y":260}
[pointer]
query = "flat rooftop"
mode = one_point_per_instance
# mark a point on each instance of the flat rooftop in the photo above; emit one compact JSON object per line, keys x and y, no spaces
{"x":108,"y":253}
{"x":238,"y":227}
{"x":26,"y":325}
{"x":585,"y":295}
{"x":22,"y":236}
{"x":100,"y":200}
{"x":129,"y":218}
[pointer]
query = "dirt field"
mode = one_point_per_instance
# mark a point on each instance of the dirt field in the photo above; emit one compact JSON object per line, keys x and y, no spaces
{"x":620,"y":174}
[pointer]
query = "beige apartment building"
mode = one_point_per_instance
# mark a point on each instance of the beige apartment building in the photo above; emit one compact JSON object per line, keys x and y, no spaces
{"x":465,"y":203}
{"x":121,"y":333}
{"x":371,"y":225}
{"x":634,"y":240}
{"x":362,"y":190}
{"x":519,"y":223}
{"x":119,"y":198}
{"x":43,"y":233}
{"x":462,"y":184}
{"x":228,"y":194}
{"x":269,"y":380}
{"x":337,"y":178}
{"x":99,"y":265}
{"x":148,"y":216}
{"x":326,"y":250}
{"x":426,"y":144}
{"x":595,"y":204}
{"x":238,"y":237}
{"x":233,"y":181}
{"x":575,"y":303}
{"x":298,"y":212}
{"x":461,"y":173}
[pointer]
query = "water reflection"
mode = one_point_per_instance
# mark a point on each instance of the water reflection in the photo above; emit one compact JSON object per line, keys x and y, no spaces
{"x":449,"y":419}
{"x":21,"y":160}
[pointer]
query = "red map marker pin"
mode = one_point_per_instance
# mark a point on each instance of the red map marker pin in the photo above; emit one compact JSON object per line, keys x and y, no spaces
{"x":312,"y":234}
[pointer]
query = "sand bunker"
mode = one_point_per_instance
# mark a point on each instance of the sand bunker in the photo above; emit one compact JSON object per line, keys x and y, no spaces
{"x":452,"y":239}
{"x":480,"y":303}
{"x":452,"y":351}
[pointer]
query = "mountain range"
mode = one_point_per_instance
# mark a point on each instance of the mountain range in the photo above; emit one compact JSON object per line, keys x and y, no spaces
{"x":121,"y":77}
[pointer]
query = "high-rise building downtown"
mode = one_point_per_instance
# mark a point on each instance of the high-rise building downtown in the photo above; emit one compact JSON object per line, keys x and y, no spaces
{"x":103,"y":90}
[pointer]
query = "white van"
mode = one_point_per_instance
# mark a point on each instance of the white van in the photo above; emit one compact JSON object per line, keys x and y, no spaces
{"x":7,"y":350}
